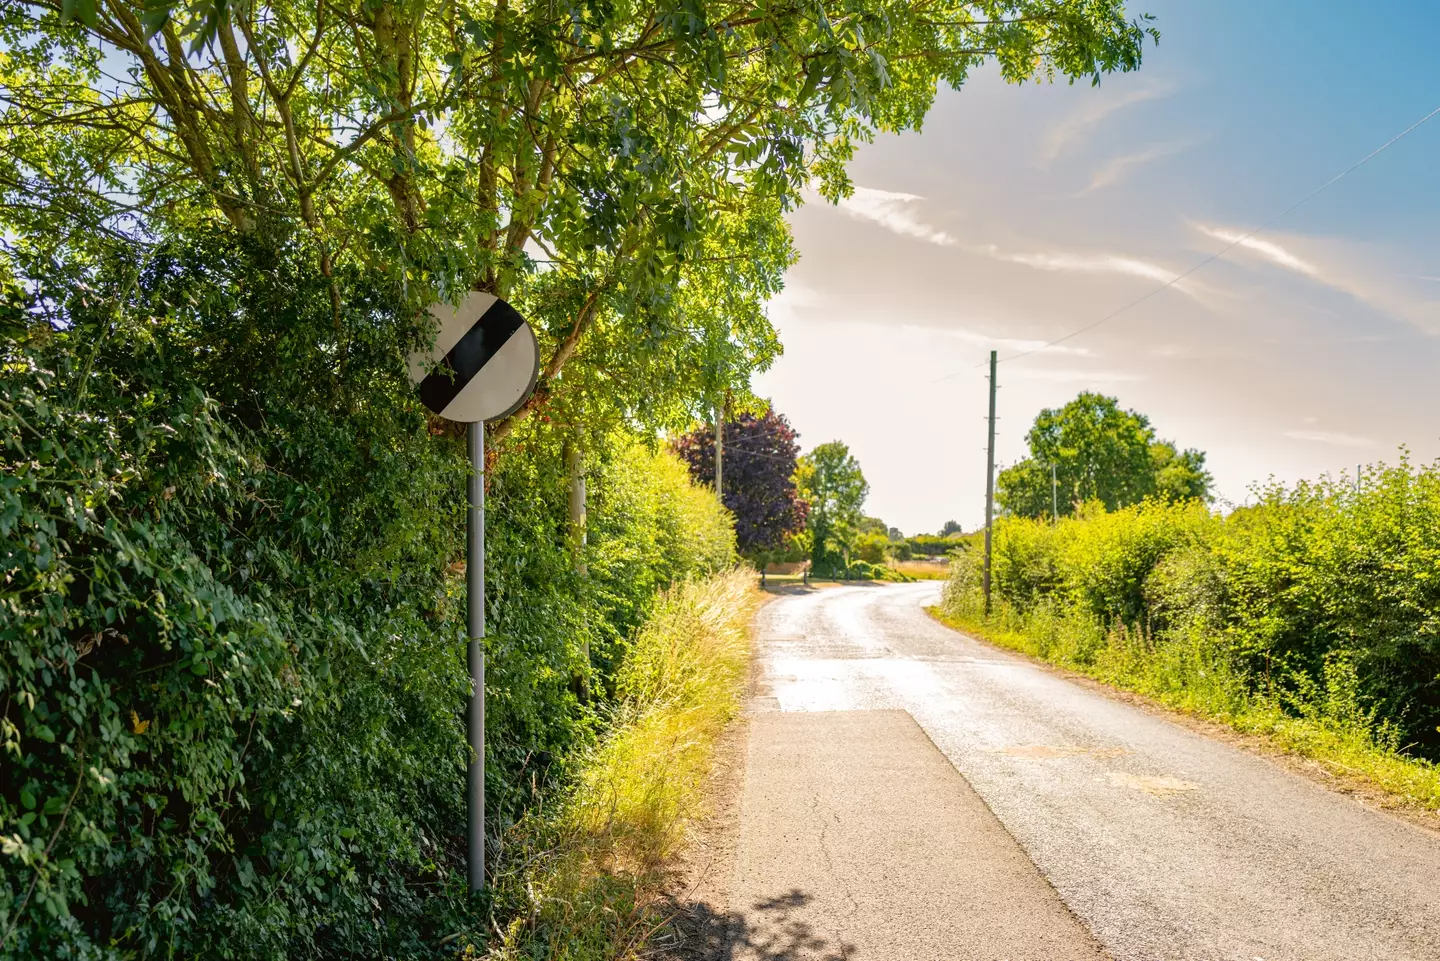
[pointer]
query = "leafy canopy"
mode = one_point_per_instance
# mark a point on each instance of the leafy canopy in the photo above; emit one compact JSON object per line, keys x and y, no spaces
{"x":830,"y":480}
{"x":1091,"y":449}
{"x":759,"y":468}
{"x":620,"y":170}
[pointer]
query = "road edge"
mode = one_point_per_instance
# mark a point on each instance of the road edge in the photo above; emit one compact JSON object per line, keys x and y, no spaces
{"x":1356,"y":787}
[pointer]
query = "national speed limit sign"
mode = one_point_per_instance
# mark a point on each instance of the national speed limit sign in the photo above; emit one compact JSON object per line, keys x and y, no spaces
{"x":483,"y":363}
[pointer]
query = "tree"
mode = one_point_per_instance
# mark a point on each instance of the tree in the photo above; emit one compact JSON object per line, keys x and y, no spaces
{"x":1179,"y":476}
{"x":1090,"y":449}
{"x":951,"y":528}
{"x":832,"y":483}
{"x":620,"y":172}
{"x":760,"y":461}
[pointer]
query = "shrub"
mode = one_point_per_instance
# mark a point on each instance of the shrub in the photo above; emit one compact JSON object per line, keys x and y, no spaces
{"x":578,"y":883}
{"x":1318,"y":601}
{"x":232,"y":669}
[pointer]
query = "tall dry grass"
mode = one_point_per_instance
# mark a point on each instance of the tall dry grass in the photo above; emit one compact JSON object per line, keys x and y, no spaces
{"x":922,"y":570}
{"x":593,"y":867}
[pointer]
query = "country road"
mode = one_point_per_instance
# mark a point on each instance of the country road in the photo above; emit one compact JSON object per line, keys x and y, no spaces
{"x":1165,"y":844}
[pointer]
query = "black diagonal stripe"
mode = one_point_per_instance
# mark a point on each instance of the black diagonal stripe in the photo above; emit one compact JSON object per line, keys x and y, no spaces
{"x":466,"y":358}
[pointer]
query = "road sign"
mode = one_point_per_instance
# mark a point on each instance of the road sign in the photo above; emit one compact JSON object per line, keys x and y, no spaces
{"x":483,"y":364}
{"x":482,"y":367}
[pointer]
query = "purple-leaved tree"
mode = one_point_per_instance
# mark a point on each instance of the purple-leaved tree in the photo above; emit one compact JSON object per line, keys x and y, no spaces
{"x":760,"y":456}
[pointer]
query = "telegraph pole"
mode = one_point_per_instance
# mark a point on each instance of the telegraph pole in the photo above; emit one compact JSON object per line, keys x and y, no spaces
{"x":989,"y":486}
{"x":575,"y":464}
{"x":1054,"y":496}
{"x":720,"y":454}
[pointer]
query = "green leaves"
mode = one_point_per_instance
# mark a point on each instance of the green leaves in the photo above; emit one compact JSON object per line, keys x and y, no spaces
{"x":1091,"y":450}
{"x":455,"y":147}
{"x":831,"y":483}
{"x":81,"y":10}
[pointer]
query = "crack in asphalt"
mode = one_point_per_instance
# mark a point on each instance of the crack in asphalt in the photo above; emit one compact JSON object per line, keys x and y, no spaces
{"x":815,"y":806}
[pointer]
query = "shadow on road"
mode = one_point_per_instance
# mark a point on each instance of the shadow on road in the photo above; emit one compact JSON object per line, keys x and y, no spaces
{"x":768,"y":932}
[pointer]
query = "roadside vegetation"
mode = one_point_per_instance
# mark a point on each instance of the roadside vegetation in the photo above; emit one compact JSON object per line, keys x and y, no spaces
{"x":1311,"y":616}
{"x":581,"y":882}
{"x":232,"y":655}
{"x":233,"y":633}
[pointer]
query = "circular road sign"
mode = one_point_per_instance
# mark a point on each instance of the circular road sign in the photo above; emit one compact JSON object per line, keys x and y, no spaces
{"x":484,"y":362}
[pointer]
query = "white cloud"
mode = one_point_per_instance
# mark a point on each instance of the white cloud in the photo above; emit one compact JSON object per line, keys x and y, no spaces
{"x":1008,"y":344}
{"x":895,"y":212}
{"x":1067,"y":131}
{"x":1070,"y":262}
{"x":1115,"y":170}
{"x":1347,"y":268}
{"x":1333,"y":438}
{"x":1271,"y":251}
{"x":790,"y":302}
{"x":1067,"y":375}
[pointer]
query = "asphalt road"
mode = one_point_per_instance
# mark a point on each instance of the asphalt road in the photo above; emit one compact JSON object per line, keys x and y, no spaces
{"x":1164,"y":843}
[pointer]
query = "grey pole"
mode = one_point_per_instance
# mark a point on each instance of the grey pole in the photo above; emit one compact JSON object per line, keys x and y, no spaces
{"x":720,"y":455}
{"x":475,"y":623}
{"x":1054,"y":497}
{"x":989,"y":486}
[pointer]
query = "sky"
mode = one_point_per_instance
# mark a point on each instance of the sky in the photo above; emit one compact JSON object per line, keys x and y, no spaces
{"x":1021,"y":214}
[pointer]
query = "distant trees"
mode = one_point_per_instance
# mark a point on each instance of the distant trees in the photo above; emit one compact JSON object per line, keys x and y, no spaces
{"x":950,"y":528}
{"x":760,"y":464}
{"x":830,"y":479}
{"x":1091,"y":449}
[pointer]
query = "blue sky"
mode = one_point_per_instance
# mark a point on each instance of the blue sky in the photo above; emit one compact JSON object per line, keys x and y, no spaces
{"x":1020,"y":214}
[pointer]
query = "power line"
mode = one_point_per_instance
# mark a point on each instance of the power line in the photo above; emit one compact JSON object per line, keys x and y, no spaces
{"x":1219,"y":253}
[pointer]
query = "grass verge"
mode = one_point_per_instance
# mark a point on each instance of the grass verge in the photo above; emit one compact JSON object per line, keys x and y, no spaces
{"x":1327,"y":727}
{"x":921,"y":570}
{"x":587,"y":886}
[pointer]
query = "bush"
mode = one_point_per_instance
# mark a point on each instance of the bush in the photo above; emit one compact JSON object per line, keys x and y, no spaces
{"x":232,"y":669}
{"x":872,"y":548}
{"x":1320,"y":602}
{"x":580,"y":883}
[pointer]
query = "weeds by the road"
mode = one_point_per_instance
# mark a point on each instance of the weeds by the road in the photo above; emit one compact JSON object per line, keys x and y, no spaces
{"x":591,"y":870}
{"x":1330,"y":727}
{"x":922,"y":570}
{"x":1311,"y":617}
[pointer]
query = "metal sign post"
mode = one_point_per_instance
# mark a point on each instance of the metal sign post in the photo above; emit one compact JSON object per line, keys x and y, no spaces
{"x":475,"y":628}
{"x":482,"y":366}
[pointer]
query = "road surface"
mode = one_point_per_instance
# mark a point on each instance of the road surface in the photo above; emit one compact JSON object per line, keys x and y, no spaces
{"x":1163,"y":843}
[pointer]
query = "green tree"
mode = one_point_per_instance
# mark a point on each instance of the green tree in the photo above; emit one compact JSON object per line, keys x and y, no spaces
{"x":830,"y":479}
{"x":1181,"y":475}
{"x":598,"y":164}
{"x":1091,"y":449}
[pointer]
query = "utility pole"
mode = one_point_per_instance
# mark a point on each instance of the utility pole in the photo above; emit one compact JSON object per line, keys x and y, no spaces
{"x":575,"y":463}
{"x":720,"y":454}
{"x":1054,"y":496}
{"x":989,"y":486}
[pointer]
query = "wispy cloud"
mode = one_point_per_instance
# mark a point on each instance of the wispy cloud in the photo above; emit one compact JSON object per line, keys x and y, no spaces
{"x":1067,"y":375}
{"x":1009,"y":344}
{"x":894,"y":211}
{"x":1117,"y":168}
{"x":1332,"y":438}
{"x":1271,"y":251}
{"x":1072,"y":262}
{"x":1069,"y":130}
{"x":1364,"y":274}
